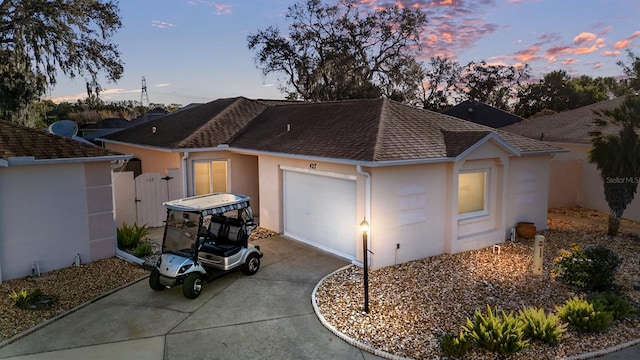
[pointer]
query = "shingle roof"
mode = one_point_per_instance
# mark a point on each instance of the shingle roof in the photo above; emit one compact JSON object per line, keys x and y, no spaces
{"x":483,"y":114}
{"x":202,"y":126}
{"x":19,"y":141}
{"x":362,"y":130}
{"x":571,"y":126}
{"x":367,"y":130}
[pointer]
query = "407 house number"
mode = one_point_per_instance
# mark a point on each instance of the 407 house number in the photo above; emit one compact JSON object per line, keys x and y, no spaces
{"x":313,"y":166}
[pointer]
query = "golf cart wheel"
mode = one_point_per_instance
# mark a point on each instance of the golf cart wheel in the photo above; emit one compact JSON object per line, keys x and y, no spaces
{"x":252,"y":264}
{"x":192,"y":285}
{"x":154,"y":280}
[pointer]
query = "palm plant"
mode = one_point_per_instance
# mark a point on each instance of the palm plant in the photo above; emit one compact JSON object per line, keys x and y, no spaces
{"x":617,"y":156}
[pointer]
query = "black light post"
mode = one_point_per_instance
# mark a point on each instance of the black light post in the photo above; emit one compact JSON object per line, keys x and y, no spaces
{"x":364,"y":226}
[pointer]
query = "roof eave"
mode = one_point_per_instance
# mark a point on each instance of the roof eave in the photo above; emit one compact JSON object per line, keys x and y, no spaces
{"x":29,"y":160}
{"x":366,"y":163}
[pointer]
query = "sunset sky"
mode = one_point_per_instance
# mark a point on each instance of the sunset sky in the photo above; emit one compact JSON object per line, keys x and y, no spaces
{"x":196,"y":50}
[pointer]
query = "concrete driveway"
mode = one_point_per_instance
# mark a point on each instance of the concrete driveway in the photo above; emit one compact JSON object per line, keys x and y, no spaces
{"x":265,"y":316}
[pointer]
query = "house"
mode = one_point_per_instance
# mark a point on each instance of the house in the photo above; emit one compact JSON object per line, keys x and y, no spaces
{"x":574,"y":181}
{"x":427,"y":183}
{"x":483,"y":114}
{"x":56,"y":201}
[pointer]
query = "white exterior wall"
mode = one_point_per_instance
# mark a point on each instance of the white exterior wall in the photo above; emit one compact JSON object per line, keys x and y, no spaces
{"x":415,"y":206}
{"x":590,"y":189}
{"x":410,"y":207}
{"x":50,"y":213}
{"x":527,"y":191}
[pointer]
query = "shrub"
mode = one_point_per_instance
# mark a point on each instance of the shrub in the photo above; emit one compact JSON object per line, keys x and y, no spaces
{"x":581,"y":315}
{"x":538,"y":325}
{"x":24,"y":299}
{"x":497,"y":332}
{"x":142,"y":249}
{"x":593,"y":268}
{"x":454,"y":346}
{"x":616,"y":305}
{"x":130,"y":235}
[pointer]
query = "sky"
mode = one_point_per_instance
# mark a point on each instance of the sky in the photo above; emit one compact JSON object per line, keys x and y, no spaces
{"x":195,"y":51}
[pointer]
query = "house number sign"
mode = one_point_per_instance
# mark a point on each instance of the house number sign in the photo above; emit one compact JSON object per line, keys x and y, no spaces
{"x":313,"y":166}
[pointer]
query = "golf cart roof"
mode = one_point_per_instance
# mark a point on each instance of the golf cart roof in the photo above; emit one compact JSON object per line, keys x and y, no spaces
{"x":216,"y":203}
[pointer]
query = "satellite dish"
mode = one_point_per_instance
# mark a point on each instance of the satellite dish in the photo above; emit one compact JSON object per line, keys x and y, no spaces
{"x":66,"y":128}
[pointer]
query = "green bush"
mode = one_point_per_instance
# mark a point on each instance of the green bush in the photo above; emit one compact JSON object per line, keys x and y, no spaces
{"x":142,"y":249}
{"x":454,"y":346}
{"x":593,"y":268}
{"x":538,"y":325}
{"x":616,"y":305}
{"x":497,"y":332}
{"x":130,"y":235}
{"x":581,"y":315}
{"x":24,"y":299}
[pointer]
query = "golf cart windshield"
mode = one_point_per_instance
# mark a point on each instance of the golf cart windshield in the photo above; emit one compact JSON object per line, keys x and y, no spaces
{"x":181,"y":232}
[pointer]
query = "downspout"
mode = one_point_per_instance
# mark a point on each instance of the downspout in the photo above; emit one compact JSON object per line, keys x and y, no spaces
{"x":367,"y":202}
{"x":185,"y":185}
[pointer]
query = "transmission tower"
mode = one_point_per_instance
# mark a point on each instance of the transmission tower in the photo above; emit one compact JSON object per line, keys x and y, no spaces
{"x":144,"y":94}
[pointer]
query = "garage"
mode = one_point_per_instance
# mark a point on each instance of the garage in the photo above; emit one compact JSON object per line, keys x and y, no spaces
{"x":320,"y":209}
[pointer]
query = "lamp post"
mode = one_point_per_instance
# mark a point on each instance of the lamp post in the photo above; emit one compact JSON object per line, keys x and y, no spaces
{"x":364,"y":226}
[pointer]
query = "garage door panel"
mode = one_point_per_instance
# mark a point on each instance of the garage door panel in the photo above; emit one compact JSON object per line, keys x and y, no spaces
{"x":321,"y":210}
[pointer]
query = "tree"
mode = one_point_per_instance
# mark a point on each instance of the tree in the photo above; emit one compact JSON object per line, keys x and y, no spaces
{"x":439,"y":83}
{"x":495,"y":85}
{"x":616,"y":156}
{"x":38,"y":38}
{"x":557,"y":91}
{"x":631,"y":70}
{"x":339,"y":52}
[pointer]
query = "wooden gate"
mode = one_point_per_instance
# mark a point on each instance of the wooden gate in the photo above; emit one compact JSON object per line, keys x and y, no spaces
{"x":151,"y":192}
{"x":140,"y":200}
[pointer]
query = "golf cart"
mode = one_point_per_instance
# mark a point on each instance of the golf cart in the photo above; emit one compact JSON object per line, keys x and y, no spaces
{"x":205,"y":237}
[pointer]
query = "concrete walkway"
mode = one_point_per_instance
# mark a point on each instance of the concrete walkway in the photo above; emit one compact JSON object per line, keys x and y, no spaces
{"x":265,"y":316}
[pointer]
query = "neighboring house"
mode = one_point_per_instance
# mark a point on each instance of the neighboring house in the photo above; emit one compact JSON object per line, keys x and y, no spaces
{"x":148,"y":116}
{"x":483,"y":114}
{"x":56,"y":201}
{"x":102,"y":128}
{"x":574,"y":181}
{"x":427,"y":183}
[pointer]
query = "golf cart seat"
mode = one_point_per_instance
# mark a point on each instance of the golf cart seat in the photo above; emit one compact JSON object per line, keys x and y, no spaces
{"x":227,"y":236}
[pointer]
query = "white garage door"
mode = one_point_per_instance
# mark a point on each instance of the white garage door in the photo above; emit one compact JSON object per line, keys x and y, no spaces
{"x":320,"y":209}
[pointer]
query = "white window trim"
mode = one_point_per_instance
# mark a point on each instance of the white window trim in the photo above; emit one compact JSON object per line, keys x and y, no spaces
{"x":485,"y":205}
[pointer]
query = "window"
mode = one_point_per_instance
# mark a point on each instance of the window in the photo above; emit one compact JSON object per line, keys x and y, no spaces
{"x":472,"y":193}
{"x":209,"y":177}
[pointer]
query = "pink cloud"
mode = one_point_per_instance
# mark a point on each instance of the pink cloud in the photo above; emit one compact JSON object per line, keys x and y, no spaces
{"x":583,"y":38}
{"x":611,"y":53}
{"x":569,"y":61}
{"x":621,"y":44}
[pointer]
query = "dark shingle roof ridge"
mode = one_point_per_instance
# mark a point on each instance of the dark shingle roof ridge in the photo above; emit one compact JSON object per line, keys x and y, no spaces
{"x":383,"y":118}
{"x":238,"y":102}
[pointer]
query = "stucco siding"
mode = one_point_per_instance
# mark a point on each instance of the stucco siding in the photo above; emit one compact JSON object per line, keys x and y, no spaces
{"x":409,"y":209}
{"x":43,"y":217}
{"x":589,"y":188}
{"x":527,"y":191}
{"x":151,"y":160}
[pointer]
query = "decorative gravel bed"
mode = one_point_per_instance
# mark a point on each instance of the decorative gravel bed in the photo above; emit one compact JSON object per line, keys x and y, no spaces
{"x":72,"y":287}
{"x":413,"y":305}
